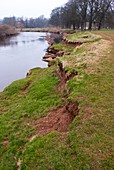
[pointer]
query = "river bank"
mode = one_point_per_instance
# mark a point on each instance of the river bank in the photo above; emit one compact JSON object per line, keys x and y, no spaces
{"x":48,"y":30}
{"x":60,"y":117}
{"x":7,"y":31}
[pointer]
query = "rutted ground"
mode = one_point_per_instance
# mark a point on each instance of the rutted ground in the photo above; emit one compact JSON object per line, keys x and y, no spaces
{"x":62,"y":117}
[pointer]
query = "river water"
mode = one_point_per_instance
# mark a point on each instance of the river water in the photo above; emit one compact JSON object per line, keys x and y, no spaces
{"x":19,"y":54}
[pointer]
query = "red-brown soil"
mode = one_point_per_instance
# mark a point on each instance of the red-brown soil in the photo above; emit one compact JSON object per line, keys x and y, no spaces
{"x":57,"y":120}
{"x":60,"y":118}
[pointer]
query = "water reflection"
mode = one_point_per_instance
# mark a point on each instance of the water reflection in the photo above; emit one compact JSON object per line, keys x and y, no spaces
{"x":19,"y":54}
{"x":12,"y":42}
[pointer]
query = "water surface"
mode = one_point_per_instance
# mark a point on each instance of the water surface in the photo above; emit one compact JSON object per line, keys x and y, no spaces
{"x":19,"y":54}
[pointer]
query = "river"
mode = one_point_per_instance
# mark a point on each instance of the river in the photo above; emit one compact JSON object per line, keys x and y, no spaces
{"x":19,"y":54}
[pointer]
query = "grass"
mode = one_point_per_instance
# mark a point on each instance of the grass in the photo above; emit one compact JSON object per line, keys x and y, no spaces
{"x":89,"y":142}
{"x":48,"y":29}
{"x":63,"y":47}
{"x":19,"y":107}
{"x":83,"y":37}
{"x":52,"y":153}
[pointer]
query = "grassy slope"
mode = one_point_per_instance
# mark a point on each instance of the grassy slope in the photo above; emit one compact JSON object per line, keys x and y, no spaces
{"x":88,"y":144}
{"x":82,"y":37}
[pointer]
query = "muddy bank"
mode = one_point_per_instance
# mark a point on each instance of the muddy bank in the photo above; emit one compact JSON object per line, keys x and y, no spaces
{"x":52,"y":53}
{"x":60,"y":118}
{"x":57,"y":120}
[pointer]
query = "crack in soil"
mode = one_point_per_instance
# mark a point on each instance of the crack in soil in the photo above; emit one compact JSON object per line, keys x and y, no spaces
{"x":64,"y":76}
{"x":60,"y":118}
{"x":57,"y":120}
{"x":25,"y":89}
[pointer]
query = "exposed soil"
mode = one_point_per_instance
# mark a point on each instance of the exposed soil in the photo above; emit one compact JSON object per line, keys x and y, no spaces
{"x":57,"y":120}
{"x":60,"y":118}
{"x":53,"y":53}
{"x":64,"y":76}
{"x":25,"y":89}
{"x":6,"y":143}
{"x":73,"y":44}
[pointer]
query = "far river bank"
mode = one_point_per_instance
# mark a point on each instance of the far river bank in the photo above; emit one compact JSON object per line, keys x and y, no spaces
{"x":7,"y":31}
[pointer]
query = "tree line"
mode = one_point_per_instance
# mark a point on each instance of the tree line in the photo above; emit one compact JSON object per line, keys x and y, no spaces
{"x":20,"y":22}
{"x":76,"y":14}
{"x":84,"y":14}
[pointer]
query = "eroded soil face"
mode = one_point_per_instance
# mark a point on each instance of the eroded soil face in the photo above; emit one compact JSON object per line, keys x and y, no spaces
{"x":57,"y":120}
{"x":60,"y":118}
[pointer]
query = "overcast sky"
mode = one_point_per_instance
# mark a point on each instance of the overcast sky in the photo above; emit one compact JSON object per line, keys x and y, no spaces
{"x":28,"y":8}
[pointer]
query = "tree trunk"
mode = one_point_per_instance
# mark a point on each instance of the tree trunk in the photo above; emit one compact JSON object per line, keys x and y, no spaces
{"x":90,"y":24}
{"x":91,"y":20}
{"x":100,"y":23}
{"x":74,"y":26}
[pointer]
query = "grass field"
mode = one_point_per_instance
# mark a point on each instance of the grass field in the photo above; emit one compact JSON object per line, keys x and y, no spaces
{"x":88,"y":144}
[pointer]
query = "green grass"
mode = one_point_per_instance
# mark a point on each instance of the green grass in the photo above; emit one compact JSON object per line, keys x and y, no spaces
{"x":63,"y":47}
{"x":49,"y":152}
{"x":89,"y":142}
{"x":82,"y":37}
{"x":19,"y":107}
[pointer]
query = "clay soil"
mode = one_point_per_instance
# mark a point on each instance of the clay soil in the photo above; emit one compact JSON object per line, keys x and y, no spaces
{"x":57,"y":120}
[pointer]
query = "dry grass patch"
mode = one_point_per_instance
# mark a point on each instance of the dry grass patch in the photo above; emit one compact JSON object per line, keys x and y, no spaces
{"x":94,"y":54}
